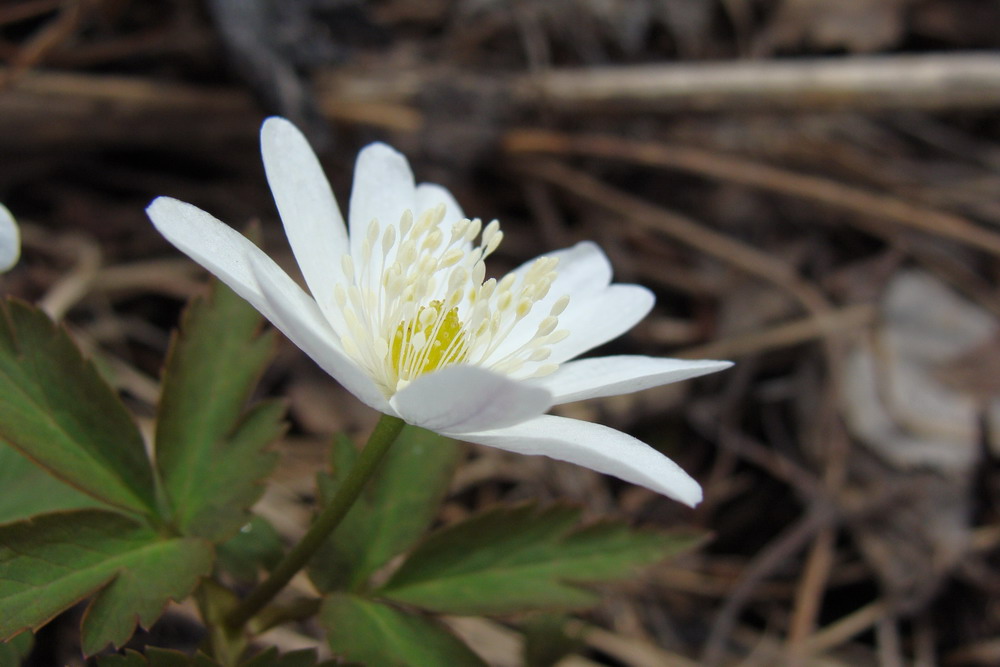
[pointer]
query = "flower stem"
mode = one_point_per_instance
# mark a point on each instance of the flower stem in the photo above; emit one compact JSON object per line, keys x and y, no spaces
{"x":385,"y":433}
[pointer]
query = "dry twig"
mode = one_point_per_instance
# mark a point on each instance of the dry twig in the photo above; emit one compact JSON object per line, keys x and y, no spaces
{"x":49,"y":37}
{"x":747,"y":172}
{"x":930,"y":81}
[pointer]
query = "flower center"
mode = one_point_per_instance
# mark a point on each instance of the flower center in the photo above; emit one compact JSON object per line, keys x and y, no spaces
{"x":431,"y":340}
{"x":415,"y":299}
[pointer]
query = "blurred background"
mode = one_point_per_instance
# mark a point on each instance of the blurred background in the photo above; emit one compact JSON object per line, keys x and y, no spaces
{"x":812,"y":188}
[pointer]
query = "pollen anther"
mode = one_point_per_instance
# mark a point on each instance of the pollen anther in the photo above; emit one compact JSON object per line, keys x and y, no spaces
{"x":417,"y":300}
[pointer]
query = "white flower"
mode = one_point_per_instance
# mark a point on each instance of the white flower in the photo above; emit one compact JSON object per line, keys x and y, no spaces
{"x":10,"y":240}
{"x":401,"y":315}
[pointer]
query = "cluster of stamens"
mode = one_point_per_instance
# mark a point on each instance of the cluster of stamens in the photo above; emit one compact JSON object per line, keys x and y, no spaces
{"x":415,"y":301}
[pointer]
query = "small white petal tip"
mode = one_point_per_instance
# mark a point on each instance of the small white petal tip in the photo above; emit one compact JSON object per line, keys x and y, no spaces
{"x":10,"y":240}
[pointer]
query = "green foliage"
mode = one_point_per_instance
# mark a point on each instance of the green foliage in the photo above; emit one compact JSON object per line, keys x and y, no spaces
{"x":546,"y":641}
{"x":158,"y":657}
{"x":302,"y":658}
{"x":57,"y":410}
{"x":377,"y":635}
{"x":155,"y":657}
{"x":517,"y":559}
{"x":26,"y":489}
{"x":12,"y":652}
{"x":51,"y":562}
{"x":257,"y":545}
{"x":208,"y":452}
{"x":128,"y":658}
{"x":73,"y":445}
{"x":396,"y":509}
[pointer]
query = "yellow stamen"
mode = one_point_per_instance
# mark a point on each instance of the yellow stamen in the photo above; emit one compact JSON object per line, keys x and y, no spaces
{"x":432,"y":339}
{"x":416,"y":299}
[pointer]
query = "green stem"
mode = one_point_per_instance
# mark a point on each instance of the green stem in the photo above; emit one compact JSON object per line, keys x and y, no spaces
{"x":381,"y":439}
{"x":221,"y":643}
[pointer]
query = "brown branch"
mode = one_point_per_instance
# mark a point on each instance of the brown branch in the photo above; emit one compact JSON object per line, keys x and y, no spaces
{"x":858,"y":83}
{"x":52,"y":35}
{"x":657,"y":219}
{"x":725,"y":248}
{"x":99,"y":110}
{"x":850,"y":319}
{"x":934,"y":81}
{"x":754,"y":174}
{"x":847,"y":627}
{"x":27,"y":10}
{"x":809,"y":596}
{"x":389,"y":98}
{"x":769,"y":559}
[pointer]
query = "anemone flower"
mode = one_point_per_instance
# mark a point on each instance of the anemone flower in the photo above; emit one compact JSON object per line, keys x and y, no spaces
{"x":400,"y":312}
{"x":10,"y":240}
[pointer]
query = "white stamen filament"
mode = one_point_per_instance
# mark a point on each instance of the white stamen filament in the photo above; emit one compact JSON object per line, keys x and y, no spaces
{"x":417,"y":299}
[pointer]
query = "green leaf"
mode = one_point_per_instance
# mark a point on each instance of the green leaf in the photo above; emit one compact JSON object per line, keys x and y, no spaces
{"x":301,"y":658}
{"x":202,"y":660}
{"x":396,"y":509}
{"x":15,"y":650}
{"x":155,"y":657}
{"x":50,"y":562}
{"x":26,"y":489}
{"x":127,"y":658}
{"x":208,"y":452}
{"x":378,"y":635}
{"x":164,"y":657}
{"x":257,"y":545}
{"x":546,"y":641}
{"x":520,"y":559}
{"x":56,"y":410}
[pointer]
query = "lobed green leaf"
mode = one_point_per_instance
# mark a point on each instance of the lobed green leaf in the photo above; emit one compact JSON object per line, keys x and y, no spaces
{"x":546,"y":641}
{"x":26,"y":489}
{"x":128,"y":658}
{"x":397,"y":507}
{"x":155,"y":657}
{"x":15,"y":650}
{"x":520,"y":559}
{"x":301,"y":658}
{"x":208,"y":452}
{"x":57,"y":411}
{"x":375,"y":634}
{"x":256,"y":546}
{"x":51,"y":562}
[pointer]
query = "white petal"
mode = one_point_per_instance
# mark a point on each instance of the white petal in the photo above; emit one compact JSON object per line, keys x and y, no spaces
{"x":383,"y":189}
{"x":309,"y":212}
{"x":10,"y":240}
{"x":594,"y":319}
{"x":430,"y":195}
{"x":457,"y":399}
{"x":216,"y":246}
{"x":583,"y":269}
{"x":297,"y":316}
{"x":249,"y":272}
{"x":596,"y":447}
{"x":610,"y":376}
